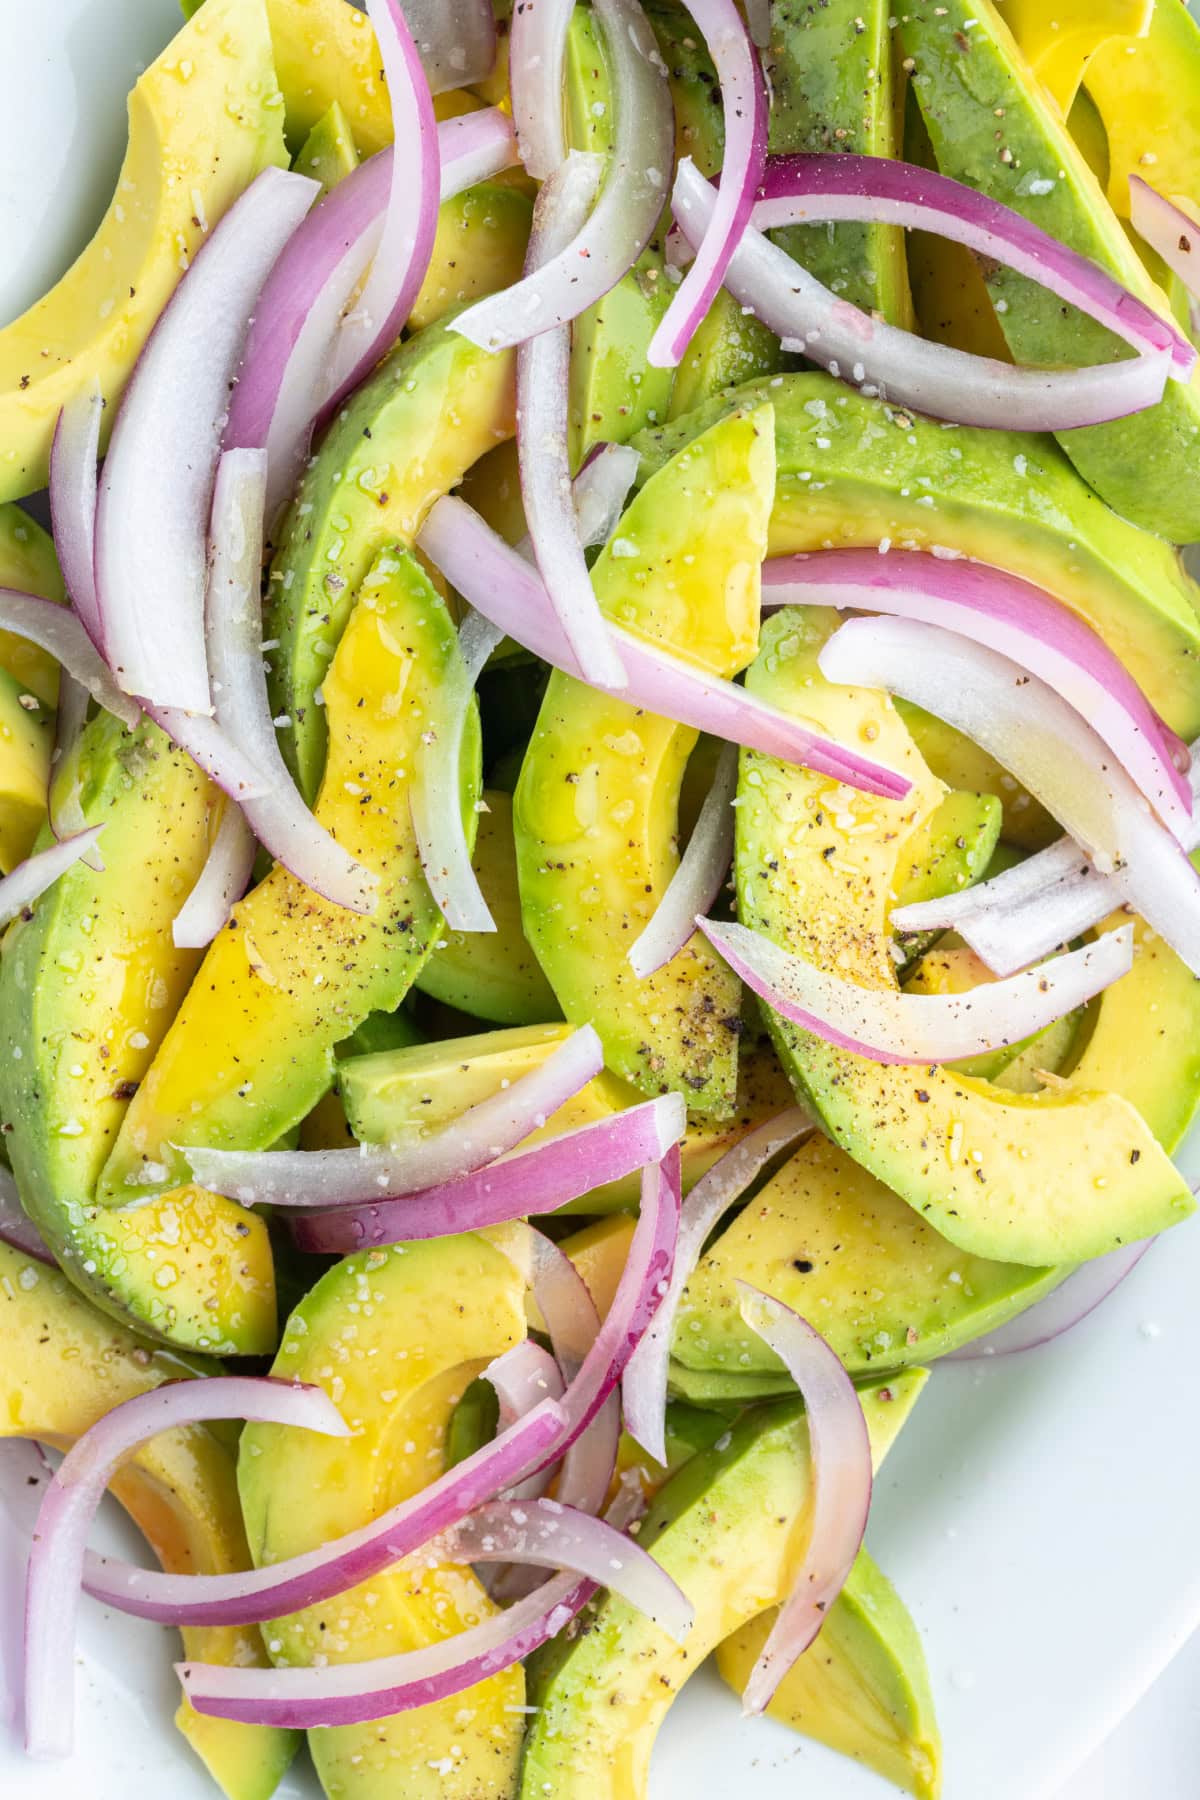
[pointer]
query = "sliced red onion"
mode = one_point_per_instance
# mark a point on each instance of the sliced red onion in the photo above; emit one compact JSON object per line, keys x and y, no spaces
{"x":537,"y":50}
{"x":625,"y":216}
{"x":212,"y":751}
{"x":156,"y":484}
{"x":501,"y":585}
{"x":64,"y":800}
{"x":744,"y":104}
{"x":644,"y":1389}
{"x":24,"y":1473}
{"x":223,"y":880}
{"x":528,"y":1182}
{"x":880,"y":190}
{"x":30,"y":879}
{"x":893,"y":1027}
{"x":281,"y":819}
{"x":543,"y":372}
{"x":370,"y":1172}
{"x":1169,"y":230}
{"x":1080,"y":1294}
{"x":73,"y":457}
{"x":1041,"y":740}
{"x":70,"y":1504}
{"x":60,"y":632}
{"x":1024,"y":881}
{"x":1022,"y":622}
{"x":601,"y":489}
{"x":841,"y":1478}
{"x":17,"y":1229}
{"x":697,"y":881}
{"x":456,"y":40}
{"x":288,"y":347}
{"x":522,"y":1378}
{"x":573,"y":1322}
{"x":401,"y":259}
{"x":881,"y":359}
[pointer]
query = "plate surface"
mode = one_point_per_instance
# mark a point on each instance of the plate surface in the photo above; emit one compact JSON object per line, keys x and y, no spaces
{"x":1038,"y":1516}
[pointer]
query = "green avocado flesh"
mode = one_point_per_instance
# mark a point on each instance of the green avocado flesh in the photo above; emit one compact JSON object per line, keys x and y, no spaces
{"x":328,"y":154}
{"x":855,"y":472}
{"x":596,"y":807}
{"x":731,"y":1528}
{"x":994,"y":127}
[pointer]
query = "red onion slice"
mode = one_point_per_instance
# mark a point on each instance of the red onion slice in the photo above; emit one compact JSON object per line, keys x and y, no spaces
{"x":744,"y":103}
{"x":60,"y":632}
{"x":537,"y":51}
{"x":697,"y":881}
{"x":456,"y":40}
{"x":74,"y":454}
{"x":1022,"y":622}
{"x":869,"y":190}
{"x":371,"y":1172}
{"x":1050,"y":749}
{"x":528,"y":1182}
{"x":841,"y":1477}
{"x":436,"y":795}
{"x":1169,"y":230}
{"x":543,"y":374}
{"x":64,"y":800}
{"x":522,"y":1378}
{"x":626,"y":215}
{"x":893,"y":1027}
{"x":501,"y":585}
{"x":156,"y":484}
{"x":17,"y":1229}
{"x":70,"y":1503}
{"x":212,"y":751}
{"x":644,"y":1388}
{"x":281,"y":819}
{"x":601,"y":489}
{"x":571,"y":1318}
{"x":1080,"y":1294}
{"x":881,"y":359}
{"x":223,"y":880}
{"x":31,"y":878}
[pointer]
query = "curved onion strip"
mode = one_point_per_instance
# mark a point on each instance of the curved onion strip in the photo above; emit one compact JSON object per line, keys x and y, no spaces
{"x":892,"y":1027}
{"x":280,"y":819}
{"x":1168,"y":229}
{"x":61,"y":633}
{"x":74,"y":454}
{"x":70,"y":1503}
{"x":522,"y":1377}
{"x":64,"y":799}
{"x":573,"y":1322}
{"x":625,"y":217}
{"x":17,"y":1229}
{"x":841,"y":1477}
{"x":222,"y":882}
{"x":30,"y":879}
{"x":1024,"y":881}
{"x":1045,"y":744}
{"x":600,"y":490}
{"x":744,"y":104}
{"x":697,"y":880}
{"x":881,"y":359}
{"x":1019,"y":620}
{"x":156,"y":483}
{"x":823,"y":189}
{"x":370,"y":1172}
{"x":211,"y":750}
{"x":436,"y":794}
{"x":543,"y":380}
{"x":456,"y":40}
{"x":1058,"y":1312}
{"x":501,"y":585}
{"x":536,"y":1180}
{"x":644,"y":1389}
{"x":537,"y":49}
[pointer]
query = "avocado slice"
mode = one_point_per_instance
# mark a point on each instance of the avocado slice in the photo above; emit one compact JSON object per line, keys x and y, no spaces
{"x":951,"y":849}
{"x":89,"y":981}
{"x":958,"y":1149}
{"x":729,"y":347}
{"x":252,"y":1048}
{"x":853,"y":471}
{"x":480,"y":247}
{"x":1059,"y":46}
{"x":596,"y":807}
{"x":394,"y":1337}
{"x":28,"y":689}
{"x":1146,"y":90}
{"x":329,"y":153}
{"x":729,"y":1527}
{"x":28,"y":562}
{"x":63,"y":1365}
{"x":971,"y":82}
{"x":326,"y":54}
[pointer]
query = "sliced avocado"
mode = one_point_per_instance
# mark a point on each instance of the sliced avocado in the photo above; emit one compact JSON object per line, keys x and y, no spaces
{"x":961,"y":764}
{"x":89,"y":982}
{"x":326,"y":54}
{"x":951,"y":968}
{"x":863,"y":1688}
{"x":951,"y":849}
{"x":28,"y":689}
{"x":729,"y":1527}
{"x":814,"y":867}
{"x":1147,"y":92}
{"x":291,"y":974}
{"x":28,"y":562}
{"x":730,"y":346}
{"x":725,"y":1390}
{"x":433,"y":406}
{"x":63,"y":1365}
{"x":972,"y":82}
{"x":492,"y":974}
{"x":596,"y":807}
{"x":853,"y":471}
{"x":385,"y":1334}
{"x":479,"y":247}
{"x":329,"y":152}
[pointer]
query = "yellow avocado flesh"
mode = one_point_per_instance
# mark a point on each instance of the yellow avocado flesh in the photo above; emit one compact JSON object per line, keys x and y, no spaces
{"x":396,"y":1094}
{"x":88,"y":986}
{"x":732,"y":1528}
{"x":1060,"y":37}
{"x":394,"y":1337}
{"x":329,"y":152}
{"x":28,"y":563}
{"x":250,"y":1051}
{"x":479,"y":248}
{"x":1147,"y":91}
{"x":597,"y":804}
{"x":326,"y":54}
{"x":204,"y":120}
{"x":28,"y":689}
{"x":1044,"y":1178}
{"x":62,"y":1367}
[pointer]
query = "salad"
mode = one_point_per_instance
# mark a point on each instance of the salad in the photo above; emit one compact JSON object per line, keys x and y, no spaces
{"x":598,"y":843}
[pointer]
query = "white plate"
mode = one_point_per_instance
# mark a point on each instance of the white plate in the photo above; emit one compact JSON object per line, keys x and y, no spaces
{"x":1038,"y":1516}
